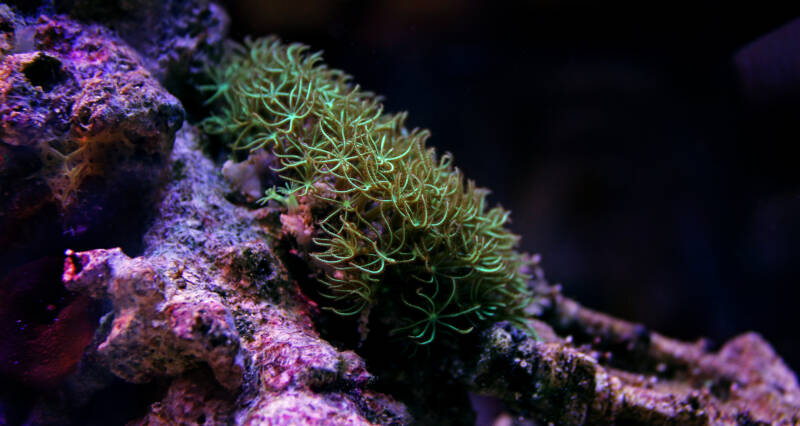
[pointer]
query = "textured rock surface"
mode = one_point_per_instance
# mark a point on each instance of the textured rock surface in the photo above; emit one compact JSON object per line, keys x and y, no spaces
{"x":193,"y":399}
{"x":153,"y":334}
{"x":606,"y":370}
{"x":85,"y":135}
{"x":85,"y":132}
{"x":209,"y":293}
{"x":176,"y":38}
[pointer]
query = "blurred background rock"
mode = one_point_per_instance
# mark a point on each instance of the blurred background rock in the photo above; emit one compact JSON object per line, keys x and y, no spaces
{"x":648,"y":151}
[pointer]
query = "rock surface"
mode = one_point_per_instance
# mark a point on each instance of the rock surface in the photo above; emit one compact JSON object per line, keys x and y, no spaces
{"x":610,"y":371}
{"x":177,"y":39}
{"x":85,"y":133}
{"x":209,"y":293}
{"x":85,"y":136}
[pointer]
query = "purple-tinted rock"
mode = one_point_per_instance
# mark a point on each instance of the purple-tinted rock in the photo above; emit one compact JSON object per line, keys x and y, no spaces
{"x":152,"y":334}
{"x":177,"y":39}
{"x":85,"y":132}
{"x":209,"y":294}
{"x":192,"y":399}
{"x":7,"y":27}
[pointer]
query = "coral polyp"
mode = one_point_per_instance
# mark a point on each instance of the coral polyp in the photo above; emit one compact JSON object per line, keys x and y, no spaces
{"x":396,"y":224}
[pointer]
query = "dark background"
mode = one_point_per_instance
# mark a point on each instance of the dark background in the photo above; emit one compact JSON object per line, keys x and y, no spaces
{"x":648,"y":150}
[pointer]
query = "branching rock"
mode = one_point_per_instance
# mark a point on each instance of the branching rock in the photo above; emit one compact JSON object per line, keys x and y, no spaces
{"x":610,"y":371}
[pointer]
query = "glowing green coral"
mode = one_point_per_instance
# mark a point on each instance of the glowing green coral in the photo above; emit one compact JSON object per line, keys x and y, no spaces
{"x":400,"y":226}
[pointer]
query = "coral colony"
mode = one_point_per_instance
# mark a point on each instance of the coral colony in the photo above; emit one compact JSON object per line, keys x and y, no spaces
{"x":387,"y":208}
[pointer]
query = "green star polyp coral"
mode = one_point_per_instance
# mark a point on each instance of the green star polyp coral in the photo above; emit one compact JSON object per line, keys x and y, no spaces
{"x":397,"y":225}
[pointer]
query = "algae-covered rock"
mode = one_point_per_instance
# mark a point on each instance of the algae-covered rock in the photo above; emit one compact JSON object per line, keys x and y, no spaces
{"x":196,"y":301}
{"x":85,"y":135}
